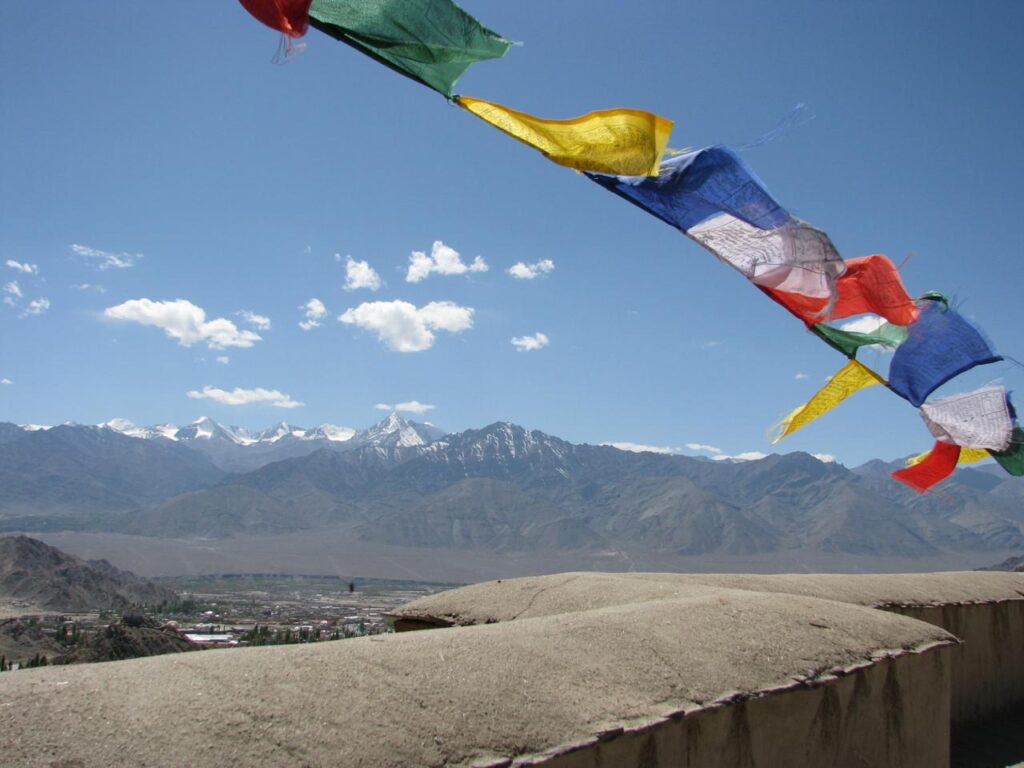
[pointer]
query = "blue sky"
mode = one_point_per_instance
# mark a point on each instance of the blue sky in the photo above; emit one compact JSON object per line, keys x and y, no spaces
{"x":163,"y":136}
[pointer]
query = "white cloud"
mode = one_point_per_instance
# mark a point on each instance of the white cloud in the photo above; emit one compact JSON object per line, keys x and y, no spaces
{"x":866,"y":324}
{"x":239,"y":396}
{"x":523,"y":271}
{"x":183,"y":321}
{"x":13,"y":290}
{"x":530,"y":343}
{"x":403,"y":327}
{"x":6,"y":381}
{"x":259,"y":322}
{"x":746,"y":456}
{"x":800,"y":376}
{"x":36,"y":307}
{"x":27,"y":269}
{"x":315,"y":311}
{"x":710,"y":344}
{"x":641,"y":448}
{"x":443,"y":260}
{"x":863,"y":324}
{"x":825,"y":458}
{"x":223,"y":359}
{"x":412,"y":406}
{"x":104,"y":260}
{"x":359,"y":274}
{"x":89,"y":287}
{"x":703,"y":447}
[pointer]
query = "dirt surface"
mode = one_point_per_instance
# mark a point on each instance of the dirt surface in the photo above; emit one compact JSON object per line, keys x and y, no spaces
{"x":444,"y":697}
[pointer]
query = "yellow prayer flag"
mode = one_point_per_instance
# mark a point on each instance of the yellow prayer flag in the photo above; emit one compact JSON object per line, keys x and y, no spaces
{"x":851,"y":377}
{"x":623,"y":142}
{"x":967,"y":456}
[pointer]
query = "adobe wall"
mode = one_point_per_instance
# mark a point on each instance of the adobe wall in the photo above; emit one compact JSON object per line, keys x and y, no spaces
{"x":985,"y":610}
{"x":988,"y":665}
{"x":894,"y":712}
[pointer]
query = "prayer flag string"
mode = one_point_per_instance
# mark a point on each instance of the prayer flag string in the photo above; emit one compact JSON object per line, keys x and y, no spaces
{"x":713,"y":198}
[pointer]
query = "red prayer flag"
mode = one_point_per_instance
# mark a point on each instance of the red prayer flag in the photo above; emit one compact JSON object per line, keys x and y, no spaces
{"x":288,"y":16}
{"x":937,"y":465}
{"x":870,"y":284}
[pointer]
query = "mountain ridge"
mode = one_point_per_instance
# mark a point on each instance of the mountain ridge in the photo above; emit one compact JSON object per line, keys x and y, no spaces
{"x":505,"y":488}
{"x":43,"y":575}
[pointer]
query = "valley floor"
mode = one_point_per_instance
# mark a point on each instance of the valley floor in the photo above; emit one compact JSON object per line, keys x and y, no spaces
{"x":336,"y":552}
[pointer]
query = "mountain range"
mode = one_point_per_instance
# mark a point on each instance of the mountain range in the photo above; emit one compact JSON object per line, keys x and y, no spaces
{"x":501,"y":488}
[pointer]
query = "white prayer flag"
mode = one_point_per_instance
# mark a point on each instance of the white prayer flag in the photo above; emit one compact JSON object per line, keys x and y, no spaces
{"x":979,"y":419}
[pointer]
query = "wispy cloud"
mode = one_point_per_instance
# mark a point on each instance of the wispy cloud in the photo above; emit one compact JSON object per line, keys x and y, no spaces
{"x":703,"y":447}
{"x":523,"y":271}
{"x":104,"y":260}
{"x":223,"y":359}
{"x":530,"y":343}
{"x":239,"y":396}
{"x":184,"y":322}
{"x":13,"y":293}
{"x":314,"y":311}
{"x":412,"y":406}
{"x":36,"y":307}
{"x":6,"y":381}
{"x":89,"y":287}
{"x":259,"y":322}
{"x":24,"y":268}
{"x":403,"y":327}
{"x":825,"y":458}
{"x":710,"y":344}
{"x":800,"y":376}
{"x":359,"y":274}
{"x":641,"y":448}
{"x":443,"y":260}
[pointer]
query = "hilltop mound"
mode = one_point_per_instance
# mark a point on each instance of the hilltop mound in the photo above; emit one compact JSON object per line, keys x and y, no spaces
{"x":128,"y":639}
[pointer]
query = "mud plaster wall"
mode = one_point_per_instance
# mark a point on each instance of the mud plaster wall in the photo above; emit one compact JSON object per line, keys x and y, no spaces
{"x":894,"y":712}
{"x":988,"y":667}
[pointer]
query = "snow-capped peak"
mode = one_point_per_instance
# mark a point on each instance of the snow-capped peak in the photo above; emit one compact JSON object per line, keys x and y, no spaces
{"x":278,"y":431}
{"x":129,"y":429}
{"x":205,"y":428}
{"x":202,"y":428}
{"x":395,"y":431}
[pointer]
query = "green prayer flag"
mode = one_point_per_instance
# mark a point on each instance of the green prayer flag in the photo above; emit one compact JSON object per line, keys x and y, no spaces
{"x":1012,"y":459}
{"x":848,"y":342}
{"x":430,"y":41}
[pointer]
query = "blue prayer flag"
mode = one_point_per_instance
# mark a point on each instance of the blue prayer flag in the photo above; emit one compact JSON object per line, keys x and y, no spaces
{"x":695,"y":186}
{"x":940,"y":345}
